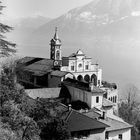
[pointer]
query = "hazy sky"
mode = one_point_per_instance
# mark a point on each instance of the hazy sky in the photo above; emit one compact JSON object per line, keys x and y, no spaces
{"x":48,"y":8}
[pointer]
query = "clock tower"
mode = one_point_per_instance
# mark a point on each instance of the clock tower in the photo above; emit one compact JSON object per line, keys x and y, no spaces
{"x":55,"y":50}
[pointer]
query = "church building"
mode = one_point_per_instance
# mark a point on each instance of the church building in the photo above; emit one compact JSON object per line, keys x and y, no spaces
{"x":55,"y":49}
{"x":77,"y":63}
{"x":75,"y":79}
{"x":44,"y":72}
{"x":82,"y":68}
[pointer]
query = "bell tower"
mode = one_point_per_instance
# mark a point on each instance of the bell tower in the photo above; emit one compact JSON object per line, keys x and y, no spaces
{"x":55,"y":47}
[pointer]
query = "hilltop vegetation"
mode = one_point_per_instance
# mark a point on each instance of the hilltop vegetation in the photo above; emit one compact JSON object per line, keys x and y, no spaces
{"x":129,"y":109}
{"x":23,"y":118}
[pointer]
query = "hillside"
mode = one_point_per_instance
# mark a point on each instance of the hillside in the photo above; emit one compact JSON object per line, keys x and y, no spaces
{"x":106,"y":30}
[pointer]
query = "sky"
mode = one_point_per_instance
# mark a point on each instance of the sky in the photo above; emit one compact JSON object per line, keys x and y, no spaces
{"x":47,"y":8}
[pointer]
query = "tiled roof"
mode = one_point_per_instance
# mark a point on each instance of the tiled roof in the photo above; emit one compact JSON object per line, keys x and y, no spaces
{"x":43,"y":92}
{"x":115,"y":124}
{"x":107,"y":103}
{"x":28,"y":60}
{"x":47,"y":62}
{"x":82,"y":85}
{"x":109,"y":85}
{"x":25,"y":59}
{"x":79,"y":105}
{"x":92,"y":114}
{"x":97,"y":90}
{"x":59,"y":73}
{"x":72,"y":55}
{"x":78,"y":122}
{"x":40,"y":67}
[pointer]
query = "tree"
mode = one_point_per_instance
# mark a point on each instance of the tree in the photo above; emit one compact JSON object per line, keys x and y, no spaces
{"x":12,"y":97}
{"x":25,"y":116}
{"x":9,"y":89}
{"x":6,"y":48}
{"x":129,"y":103}
{"x":49,"y":119}
{"x":6,"y":133}
{"x":22,"y":125}
{"x":54,"y":130}
{"x":129,"y":108}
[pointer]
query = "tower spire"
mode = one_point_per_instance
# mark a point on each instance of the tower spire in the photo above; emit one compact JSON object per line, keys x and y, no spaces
{"x":56,"y":35}
{"x":55,"y":50}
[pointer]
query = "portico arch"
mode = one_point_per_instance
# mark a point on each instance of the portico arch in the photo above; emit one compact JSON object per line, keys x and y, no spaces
{"x":80,"y":78}
{"x":87,"y":78}
{"x":94,"y":79}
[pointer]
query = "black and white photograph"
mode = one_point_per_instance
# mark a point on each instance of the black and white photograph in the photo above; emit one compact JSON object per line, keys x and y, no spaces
{"x":69,"y":69}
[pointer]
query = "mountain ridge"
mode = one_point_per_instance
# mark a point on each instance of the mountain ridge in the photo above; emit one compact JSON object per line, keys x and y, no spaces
{"x":87,"y":18}
{"x":107,"y":32}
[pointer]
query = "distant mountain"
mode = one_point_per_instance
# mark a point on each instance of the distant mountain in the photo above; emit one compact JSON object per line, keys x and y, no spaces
{"x":23,"y":27}
{"x":106,"y":30}
{"x":97,"y":18}
{"x":99,"y":23}
{"x":31,"y":22}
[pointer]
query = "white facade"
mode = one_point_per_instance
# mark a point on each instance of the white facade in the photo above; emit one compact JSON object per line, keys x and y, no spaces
{"x":115,"y":135}
{"x":78,"y":64}
{"x":89,"y":97}
{"x":92,"y":99}
{"x":112,"y":95}
{"x":82,"y":68}
{"x":95,"y":136}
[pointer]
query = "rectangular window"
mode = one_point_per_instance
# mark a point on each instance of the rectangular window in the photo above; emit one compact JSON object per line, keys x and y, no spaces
{"x":98,"y":82}
{"x":120,"y":137}
{"x":86,"y":66}
{"x":97,"y":99}
{"x":72,"y":68}
{"x":106,"y":135}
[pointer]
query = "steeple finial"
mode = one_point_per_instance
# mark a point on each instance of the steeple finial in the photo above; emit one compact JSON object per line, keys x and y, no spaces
{"x":56,"y":35}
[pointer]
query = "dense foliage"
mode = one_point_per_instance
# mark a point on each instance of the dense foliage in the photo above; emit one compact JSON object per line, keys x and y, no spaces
{"x":54,"y":130}
{"x":129,"y":108}
{"x":24,"y":118}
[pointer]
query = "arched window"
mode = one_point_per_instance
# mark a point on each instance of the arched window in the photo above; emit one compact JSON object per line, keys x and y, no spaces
{"x":111,"y":99}
{"x":94,"y":79}
{"x":87,"y":78}
{"x":80,"y":78}
{"x":57,"y":54}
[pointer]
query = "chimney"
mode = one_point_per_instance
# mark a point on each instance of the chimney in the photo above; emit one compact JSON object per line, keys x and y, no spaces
{"x":69,"y":107}
{"x":104,"y":115}
{"x":91,"y":86}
